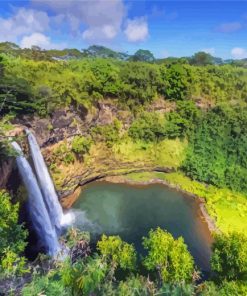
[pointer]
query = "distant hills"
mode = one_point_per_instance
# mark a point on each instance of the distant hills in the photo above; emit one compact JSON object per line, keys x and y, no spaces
{"x":37,"y":53}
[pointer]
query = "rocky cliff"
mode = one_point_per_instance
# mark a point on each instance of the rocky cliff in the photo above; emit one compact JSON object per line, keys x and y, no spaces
{"x":64,"y":124}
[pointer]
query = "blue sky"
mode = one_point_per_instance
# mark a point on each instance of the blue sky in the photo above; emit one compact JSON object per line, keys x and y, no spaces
{"x":167,"y":28}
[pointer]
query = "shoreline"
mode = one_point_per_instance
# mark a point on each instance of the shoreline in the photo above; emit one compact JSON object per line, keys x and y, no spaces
{"x":123,"y":179}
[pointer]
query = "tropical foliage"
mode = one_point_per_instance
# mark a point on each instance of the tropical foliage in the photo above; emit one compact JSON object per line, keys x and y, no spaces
{"x":205,"y":123}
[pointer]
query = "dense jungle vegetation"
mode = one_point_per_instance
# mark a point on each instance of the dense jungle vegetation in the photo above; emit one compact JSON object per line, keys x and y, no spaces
{"x":207,"y":110}
{"x":216,"y":131}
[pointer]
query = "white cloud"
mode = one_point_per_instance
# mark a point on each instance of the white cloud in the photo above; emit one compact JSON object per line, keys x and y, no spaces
{"x":239,"y":53}
{"x":230,"y":27}
{"x":36,"y":39}
{"x":23,"y":22}
{"x":136,"y":29}
{"x":105,"y":32}
{"x":41,"y":40}
{"x":210,"y":50}
{"x":103,"y":19}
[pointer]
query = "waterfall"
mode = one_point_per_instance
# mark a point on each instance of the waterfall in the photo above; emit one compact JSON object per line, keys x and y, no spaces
{"x":46,"y":184}
{"x":37,"y":209}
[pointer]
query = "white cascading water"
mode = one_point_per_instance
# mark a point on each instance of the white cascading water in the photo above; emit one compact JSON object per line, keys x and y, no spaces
{"x":37,"y":209}
{"x":46,"y":184}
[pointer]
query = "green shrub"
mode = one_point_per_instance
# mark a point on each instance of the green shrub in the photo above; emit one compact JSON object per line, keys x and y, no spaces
{"x":167,"y":256}
{"x":84,"y":277}
{"x":110,"y":133}
{"x":49,"y":284}
{"x":117,"y":252}
{"x":148,"y":127}
{"x":64,"y":154}
{"x":12,"y":237}
{"x":225,"y":288}
{"x":135,"y":286}
{"x":229,"y":259}
{"x":81,"y":145}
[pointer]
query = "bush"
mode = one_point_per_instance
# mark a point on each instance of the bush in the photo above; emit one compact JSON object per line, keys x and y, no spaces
{"x":117,"y":252}
{"x":12,"y":237}
{"x":50,"y":285}
{"x":177,"y":82}
{"x":229,"y":259}
{"x":177,"y":290}
{"x":64,"y":154}
{"x":148,"y":127}
{"x":107,"y":133}
{"x":81,"y":145}
{"x":84,"y":277}
{"x":135,"y":286}
{"x":232,"y":288}
{"x":168,"y":256}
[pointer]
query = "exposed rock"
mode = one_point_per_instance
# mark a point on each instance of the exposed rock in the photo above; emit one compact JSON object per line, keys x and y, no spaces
{"x":7,"y":166}
{"x":41,"y":130}
{"x":162,"y":106}
{"x":82,"y":112}
{"x":108,"y":110}
{"x":105,"y":114}
{"x":203,"y":103}
{"x":6,"y":169}
{"x":70,"y":199}
{"x":61,"y":119}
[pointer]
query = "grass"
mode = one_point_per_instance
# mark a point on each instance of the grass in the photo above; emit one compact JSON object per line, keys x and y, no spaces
{"x":227,"y":207}
{"x":167,"y":153}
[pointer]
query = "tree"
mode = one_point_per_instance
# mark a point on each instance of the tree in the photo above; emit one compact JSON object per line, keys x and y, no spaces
{"x":117,"y":252}
{"x":16,"y":96}
{"x":12,"y":238}
{"x":168,"y":256}
{"x":103,"y":52}
{"x":142,"y":55}
{"x":176,"y":125}
{"x":182,"y":121}
{"x":229,"y":259}
{"x":139,"y":82}
{"x":201,"y":59}
{"x":176,"y":82}
{"x":148,"y":127}
{"x":217,"y":147}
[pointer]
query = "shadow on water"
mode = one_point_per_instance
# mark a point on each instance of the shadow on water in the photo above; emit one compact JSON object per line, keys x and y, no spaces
{"x":131,"y":211}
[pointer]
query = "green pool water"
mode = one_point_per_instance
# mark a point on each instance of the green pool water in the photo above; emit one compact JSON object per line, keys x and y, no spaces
{"x":131,"y":211}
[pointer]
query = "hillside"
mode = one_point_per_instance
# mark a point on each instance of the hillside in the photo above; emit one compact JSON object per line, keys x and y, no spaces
{"x":101,"y":114}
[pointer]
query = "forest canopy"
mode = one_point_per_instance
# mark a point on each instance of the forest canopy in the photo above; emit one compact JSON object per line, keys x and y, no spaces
{"x":210,"y":102}
{"x":205,"y":110}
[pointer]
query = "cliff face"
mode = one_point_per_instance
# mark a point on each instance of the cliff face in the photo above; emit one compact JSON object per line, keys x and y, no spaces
{"x":66,"y":123}
{"x":6,"y":169}
{"x":60,"y":128}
